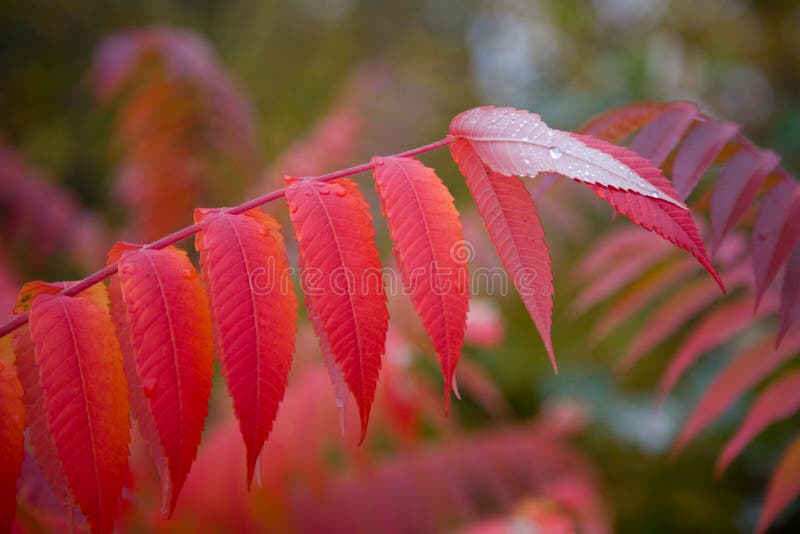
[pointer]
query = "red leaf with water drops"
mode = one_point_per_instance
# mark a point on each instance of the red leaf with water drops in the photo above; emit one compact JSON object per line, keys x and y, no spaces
{"x":427,"y":236}
{"x":510,"y":217}
{"x":169,"y":334}
{"x":12,"y":426}
{"x":776,"y":231}
{"x":342,"y":279}
{"x":243,"y":262}
{"x":658,"y":215}
{"x":516,"y":142}
{"x":84,"y":395}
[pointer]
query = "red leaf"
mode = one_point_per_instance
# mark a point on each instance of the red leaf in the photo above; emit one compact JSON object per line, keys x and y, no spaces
{"x":617,"y":124}
{"x":85,"y":400}
{"x":12,"y":426}
{"x":741,"y":375}
{"x":778,"y":401}
{"x":790,"y":294}
{"x":659,"y":137}
{"x":698,"y":151}
{"x":736,"y":188}
{"x":170,"y":336}
{"x":510,"y":218}
{"x":784,"y":486}
{"x":671,"y":222}
{"x":39,"y":438}
{"x":618,"y":245}
{"x":714,"y":328}
{"x":342,"y":279}
{"x":776,"y":231}
{"x":427,"y":237}
{"x":243,"y":262}
{"x":514,"y":142}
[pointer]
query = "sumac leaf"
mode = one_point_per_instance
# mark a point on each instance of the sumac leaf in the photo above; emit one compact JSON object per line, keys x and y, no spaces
{"x":783,"y":487}
{"x":84,"y":399}
{"x":509,"y":213}
{"x":243,"y":262}
{"x":12,"y":426}
{"x":427,"y":236}
{"x":342,"y":279}
{"x":168,"y":324}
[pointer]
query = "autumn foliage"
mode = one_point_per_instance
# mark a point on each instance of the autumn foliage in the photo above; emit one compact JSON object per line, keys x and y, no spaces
{"x":89,"y":354}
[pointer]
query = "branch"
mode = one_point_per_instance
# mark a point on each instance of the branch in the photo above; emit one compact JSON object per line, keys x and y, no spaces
{"x":189,"y":231}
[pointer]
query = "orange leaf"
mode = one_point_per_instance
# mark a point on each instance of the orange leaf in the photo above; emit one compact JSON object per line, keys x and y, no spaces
{"x":342,"y":279}
{"x":243,"y":262}
{"x":85,"y":400}
{"x":167,"y":334}
{"x":427,"y":237}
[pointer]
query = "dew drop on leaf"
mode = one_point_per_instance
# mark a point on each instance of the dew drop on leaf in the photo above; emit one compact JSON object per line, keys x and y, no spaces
{"x":149,"y":386}
{"x":555,"y":152}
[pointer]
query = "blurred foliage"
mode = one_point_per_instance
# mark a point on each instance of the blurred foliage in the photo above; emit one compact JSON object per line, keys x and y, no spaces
{"x":561,"y":58}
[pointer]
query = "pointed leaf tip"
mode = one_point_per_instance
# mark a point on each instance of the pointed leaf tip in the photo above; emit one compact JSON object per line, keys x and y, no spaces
{"x":431,"y":253}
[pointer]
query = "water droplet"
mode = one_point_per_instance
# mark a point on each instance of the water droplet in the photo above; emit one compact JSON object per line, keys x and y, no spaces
{"x":309,"y":193}
{"x":555,"y":152}
{"x":341,"y":192}
{"x":324,"y":189}
{"x":149,"y":386}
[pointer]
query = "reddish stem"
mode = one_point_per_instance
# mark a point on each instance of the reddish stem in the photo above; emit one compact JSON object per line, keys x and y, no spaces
{"x":189,"y":231}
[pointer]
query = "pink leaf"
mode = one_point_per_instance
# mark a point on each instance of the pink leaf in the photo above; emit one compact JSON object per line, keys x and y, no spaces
{"x":740,"y":376}
{"x":656,"y":140}
{"x":778,"y":401}
{"x":776,"y":231}
{"x":714,"y":328}
{"x":736,"y":188}
{"x":784,"y":486}
{"x":790,"y":294}
{"x":617,"y":124}
{"x":698,"y":151}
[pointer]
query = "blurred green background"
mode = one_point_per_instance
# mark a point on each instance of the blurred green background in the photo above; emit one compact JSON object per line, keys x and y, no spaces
{"x":563,"y":59}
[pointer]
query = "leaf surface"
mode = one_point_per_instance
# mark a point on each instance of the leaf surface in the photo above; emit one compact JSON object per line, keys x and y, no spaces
{"x":740,"y":376}
{"x":713,"y":329}
{"x":243,"y":262}
{"x":660,"y":216}
{"x":342,"y":279}
{"x":85,"y":400}
{"x":171,"y":341}
{"x":617,"y":124}
{"x":736,"y":188}
{"x":509,"y":213}
{"x":790,"y":294}
{"x":12,"y":426}
{"x":784,"y":486}
{"x":778,"y":401}
{"x":516,"y":142}
{"x":427,"y":236}
{"x":697,"y":152}
{"x":659,"y":137}
{"x":776,"y":231}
